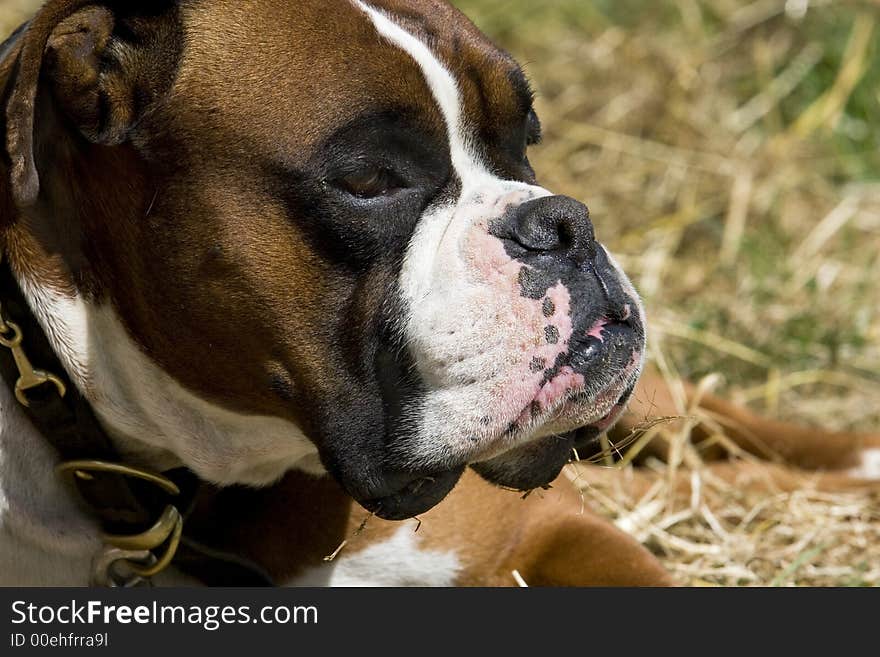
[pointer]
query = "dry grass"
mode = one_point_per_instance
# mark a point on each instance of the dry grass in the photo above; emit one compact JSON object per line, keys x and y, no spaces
{"x":734,"y":526}
{"x":13,"y":12}
{"x":730,"y":154}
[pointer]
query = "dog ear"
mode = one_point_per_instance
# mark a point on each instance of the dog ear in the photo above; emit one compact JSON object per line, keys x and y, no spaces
{"x":104,"y":64}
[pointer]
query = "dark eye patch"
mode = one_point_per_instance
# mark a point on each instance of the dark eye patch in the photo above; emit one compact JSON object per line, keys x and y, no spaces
{"x":533,"y":128}
{"x":525,"y":98}
{"x":362,"y":189}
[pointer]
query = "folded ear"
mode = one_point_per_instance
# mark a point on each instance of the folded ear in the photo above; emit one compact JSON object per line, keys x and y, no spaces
{"x":105,"y":63}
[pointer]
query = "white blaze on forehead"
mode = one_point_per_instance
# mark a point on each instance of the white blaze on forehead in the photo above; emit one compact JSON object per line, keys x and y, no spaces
{"x":417,"y":275}
{"x":478,"y":344}
{"x":443,"y":86}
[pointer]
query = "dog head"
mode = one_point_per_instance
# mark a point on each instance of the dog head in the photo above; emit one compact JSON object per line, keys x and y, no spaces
{"x":258,"y":231}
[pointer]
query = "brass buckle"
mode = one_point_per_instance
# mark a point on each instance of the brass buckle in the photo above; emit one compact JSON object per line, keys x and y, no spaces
{"x":129,"y":559}
{"x":28,"y":376}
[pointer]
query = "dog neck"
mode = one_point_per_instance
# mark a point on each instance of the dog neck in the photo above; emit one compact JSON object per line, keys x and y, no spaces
{"x":152,"y":420}
{"x":45,"y":536}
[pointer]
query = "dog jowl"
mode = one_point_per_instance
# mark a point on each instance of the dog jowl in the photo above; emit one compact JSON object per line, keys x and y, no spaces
{"x":291,"y":235}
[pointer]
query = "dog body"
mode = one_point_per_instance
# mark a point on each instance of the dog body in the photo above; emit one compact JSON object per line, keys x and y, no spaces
{"x":246,"y":263}
{"x":294,"y":236}
{"x":307,"y":530}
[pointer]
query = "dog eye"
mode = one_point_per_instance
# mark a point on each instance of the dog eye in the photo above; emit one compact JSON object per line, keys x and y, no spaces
{"x":533,"y":129}
{"x":370,"y":183}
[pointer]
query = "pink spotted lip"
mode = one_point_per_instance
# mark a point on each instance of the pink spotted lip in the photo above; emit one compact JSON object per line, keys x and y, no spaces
{"x":596,"y":330}
{"x":614,"y":398}
{"x":568,"y":380}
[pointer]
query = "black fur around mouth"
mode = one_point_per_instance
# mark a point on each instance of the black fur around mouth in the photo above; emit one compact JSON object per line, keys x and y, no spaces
{"x":533,"y":465}
{"x":537,"y":463}
{"x":412,"y":494}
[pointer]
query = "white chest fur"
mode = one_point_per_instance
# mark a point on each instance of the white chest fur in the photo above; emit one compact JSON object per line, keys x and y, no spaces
{"x":45,"y":539}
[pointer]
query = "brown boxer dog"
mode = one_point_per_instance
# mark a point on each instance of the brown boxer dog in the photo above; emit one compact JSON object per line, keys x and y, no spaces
{"x":274,"y":236}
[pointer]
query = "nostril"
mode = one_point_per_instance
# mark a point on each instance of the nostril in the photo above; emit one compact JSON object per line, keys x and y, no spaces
{"x":581,"y":242}
{"x":535,"y":233}
{"x":552,"y":224}
{"x":568,"y":234}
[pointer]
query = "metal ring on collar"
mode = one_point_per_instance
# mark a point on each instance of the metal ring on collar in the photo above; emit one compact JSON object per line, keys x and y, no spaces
{"x":81,"y":469}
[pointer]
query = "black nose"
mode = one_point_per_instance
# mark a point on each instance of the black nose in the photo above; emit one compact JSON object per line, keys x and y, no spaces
{"x":553,"y":224}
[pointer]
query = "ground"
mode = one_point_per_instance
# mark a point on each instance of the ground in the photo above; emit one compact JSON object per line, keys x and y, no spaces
{"x":730,"y":155}
{"x":729,"y":152}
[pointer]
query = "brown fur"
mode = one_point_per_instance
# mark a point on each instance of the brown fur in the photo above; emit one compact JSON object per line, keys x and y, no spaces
{"x":546,"y":537}
{"x":785,"y":442}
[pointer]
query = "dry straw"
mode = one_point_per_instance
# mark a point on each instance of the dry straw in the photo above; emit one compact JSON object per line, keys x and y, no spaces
{"x":706,"y":138}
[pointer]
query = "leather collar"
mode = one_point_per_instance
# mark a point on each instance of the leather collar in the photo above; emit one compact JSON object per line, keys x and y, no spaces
{"x":126,"y":502}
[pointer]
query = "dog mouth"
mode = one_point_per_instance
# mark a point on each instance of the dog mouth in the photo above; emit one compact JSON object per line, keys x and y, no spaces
{"x":595,"y":373}
{"x":581,"y":397}
{"x":538,"y":462}
{"x":534,"y":464}
{"x":515,"y":413}
{"x":588,"y":434}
